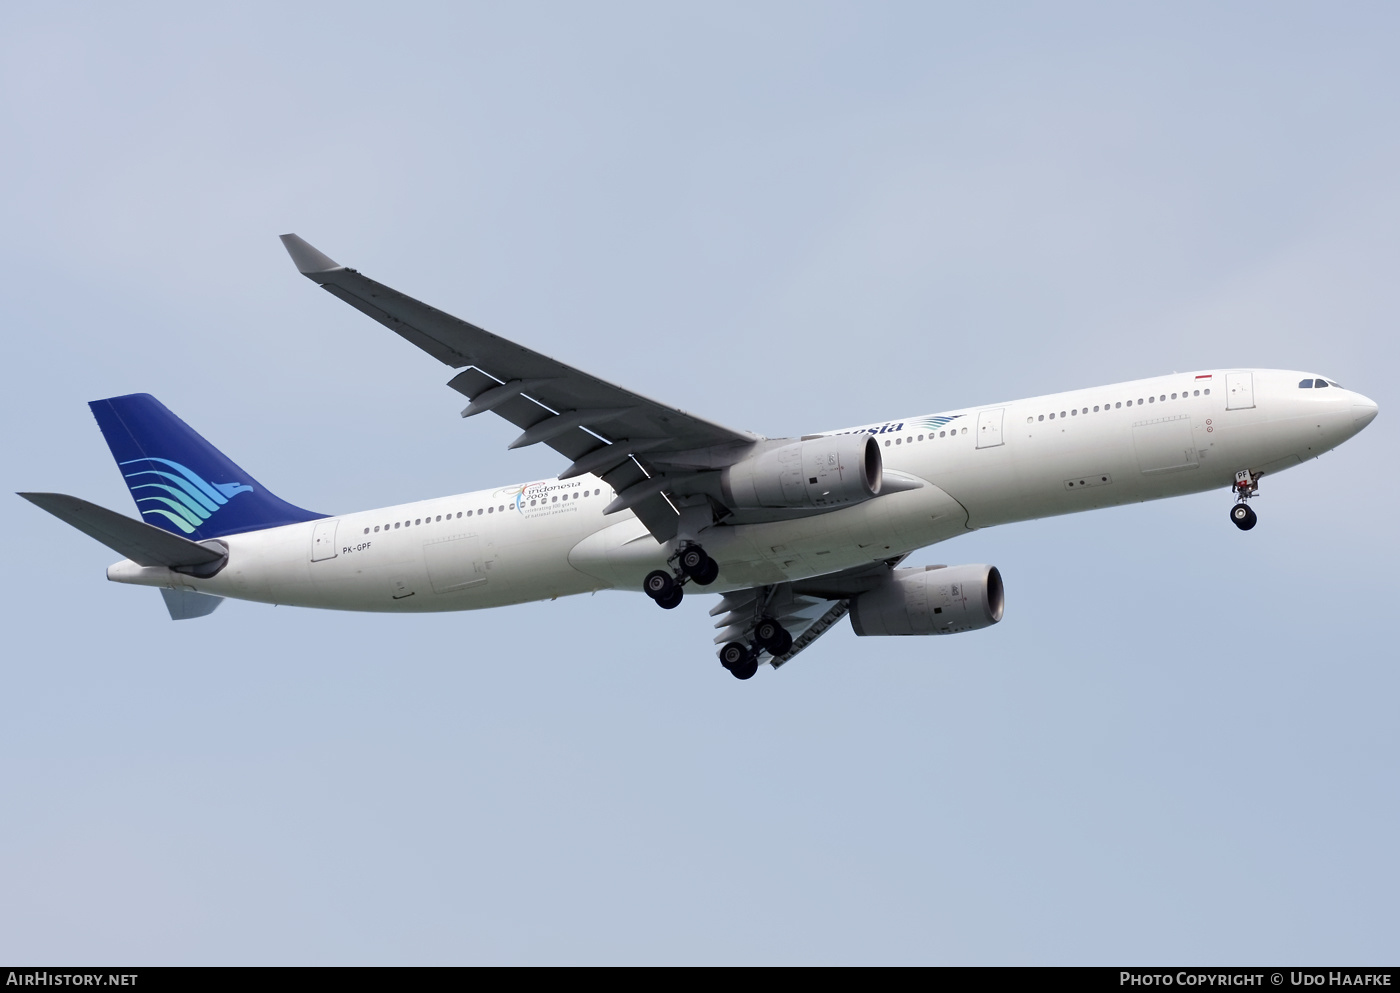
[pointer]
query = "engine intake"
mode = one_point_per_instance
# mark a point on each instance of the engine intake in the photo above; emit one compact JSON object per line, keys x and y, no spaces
{"x":823,"y":472}
{"x":936,"y":600}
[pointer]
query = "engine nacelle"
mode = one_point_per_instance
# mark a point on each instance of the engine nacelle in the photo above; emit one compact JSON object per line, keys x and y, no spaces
{"x":936,"y":600}
{"x":823,"y":472}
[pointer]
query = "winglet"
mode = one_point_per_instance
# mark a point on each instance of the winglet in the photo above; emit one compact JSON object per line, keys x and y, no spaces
{"x":308,"y":260}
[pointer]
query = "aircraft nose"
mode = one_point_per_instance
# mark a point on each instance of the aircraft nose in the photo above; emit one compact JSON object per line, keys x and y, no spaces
{"x":1363,"y":411}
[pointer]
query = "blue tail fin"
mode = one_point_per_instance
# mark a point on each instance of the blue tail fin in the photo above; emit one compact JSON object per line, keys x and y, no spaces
{"x":181,"y":482}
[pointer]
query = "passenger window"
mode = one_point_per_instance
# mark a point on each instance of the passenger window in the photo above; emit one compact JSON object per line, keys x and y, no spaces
{"x":396,"y":525}
{"x":1197,"y":393}
{"x":1042,"y":417}
{"x":1073,"y":413}
{"x":1052,"y":415}
{"x":439,"y":517}
{"x":1320,"y":384}
{"x":1119,"y":404}
{"x":366,"y":530}
{"x":1062,"y":413}
{"x":1096,"y":408}
{"x":964,"y":430}
{"x":1207,"y":392}
{"x":1162,"y":397}
{"x":942,"y":434}
{"x":419,"y":521}
{"x":459,"y":514}
{"x":1173,"y":396}
{"x":596,"y":492}
{"x":921,"y":437}
{"x":898,"y":440}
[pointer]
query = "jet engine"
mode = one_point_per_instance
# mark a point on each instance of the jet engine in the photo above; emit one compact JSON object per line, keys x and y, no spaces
{"x":823,"y":472}
{"x":936,"y":600}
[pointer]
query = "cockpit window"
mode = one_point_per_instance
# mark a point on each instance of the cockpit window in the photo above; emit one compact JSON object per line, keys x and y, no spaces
{"x":1333,"y":382}
{"x":1305,"y":384}
{"x":1320,"y":384}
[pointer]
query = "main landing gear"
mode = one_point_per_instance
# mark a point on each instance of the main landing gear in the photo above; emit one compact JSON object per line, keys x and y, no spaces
{"x":690,"y":563}
{"x":742,"y":660}
{"x":1246,"y":486}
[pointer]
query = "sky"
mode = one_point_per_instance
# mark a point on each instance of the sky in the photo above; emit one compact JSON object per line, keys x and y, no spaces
{"x":1179,"y":745}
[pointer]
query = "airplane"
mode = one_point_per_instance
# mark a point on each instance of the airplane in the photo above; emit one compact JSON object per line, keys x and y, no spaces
{"x":793,"y":533}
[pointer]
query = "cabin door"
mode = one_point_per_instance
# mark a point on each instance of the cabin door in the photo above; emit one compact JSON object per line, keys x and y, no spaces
{"x":989,"y":428}
{"x":323,"y":540}
{"x":1239,"y":387}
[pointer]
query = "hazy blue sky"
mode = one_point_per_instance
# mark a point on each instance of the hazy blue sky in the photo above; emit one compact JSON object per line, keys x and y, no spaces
{"x":1179,"y":746}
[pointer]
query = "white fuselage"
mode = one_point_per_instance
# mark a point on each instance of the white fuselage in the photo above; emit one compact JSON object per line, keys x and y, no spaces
{"x":978,"y":467}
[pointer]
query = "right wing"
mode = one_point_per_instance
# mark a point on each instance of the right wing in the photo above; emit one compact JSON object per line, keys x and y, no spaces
{"x":601,"y":428}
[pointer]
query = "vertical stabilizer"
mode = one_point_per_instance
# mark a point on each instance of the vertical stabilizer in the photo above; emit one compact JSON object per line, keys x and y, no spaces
{"x":179,"y":481}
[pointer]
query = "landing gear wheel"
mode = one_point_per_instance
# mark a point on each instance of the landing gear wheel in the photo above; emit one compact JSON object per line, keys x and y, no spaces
{"x":745,"y":670}
{"x":698,"y":566}
{"x":771,"y":635}
{"x":708,"y":574}
{"x":693,"y":559}
{"x":659,"y":585}
{"x":672,"y":599}
{"x":782,"y":647}
{"x":734,"y":655}
{"x":1243,"y":516}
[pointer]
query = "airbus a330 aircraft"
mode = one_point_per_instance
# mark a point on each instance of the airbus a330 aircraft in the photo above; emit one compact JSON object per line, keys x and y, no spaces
{"x":795,"y":533}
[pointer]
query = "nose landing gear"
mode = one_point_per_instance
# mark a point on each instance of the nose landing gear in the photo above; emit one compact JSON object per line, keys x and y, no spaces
{"x":1246,"y":486}
{"x":690,"y":564}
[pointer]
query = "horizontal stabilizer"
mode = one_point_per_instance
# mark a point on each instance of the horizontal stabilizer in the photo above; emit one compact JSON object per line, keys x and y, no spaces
{"x":143,"y":543}
{"x":185,"y":604}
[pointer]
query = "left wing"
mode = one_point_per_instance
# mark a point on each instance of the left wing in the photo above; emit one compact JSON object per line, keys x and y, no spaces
{"x":807,"y":609}
{"x":599,"y":427}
